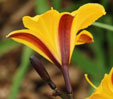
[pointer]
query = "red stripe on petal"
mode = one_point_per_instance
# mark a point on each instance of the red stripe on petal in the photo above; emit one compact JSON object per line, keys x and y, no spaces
{"x":37,"y":42}
{"x":85,"y":39}
{"x":64,"y":37}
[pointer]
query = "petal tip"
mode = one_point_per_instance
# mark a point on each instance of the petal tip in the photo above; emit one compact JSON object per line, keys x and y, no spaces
{"x":111,"y":70}
{"x":92,"y":41}
{"x":25,"y":18}
{"x":102,"y":9}
{"x":84,"y":37}
{"x":8,"y":36}
{"x":104,"y":12}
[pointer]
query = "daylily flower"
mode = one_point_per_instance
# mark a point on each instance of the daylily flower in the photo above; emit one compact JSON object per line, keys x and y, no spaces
{"x":54,"y":35}
{"x":105,"y":89}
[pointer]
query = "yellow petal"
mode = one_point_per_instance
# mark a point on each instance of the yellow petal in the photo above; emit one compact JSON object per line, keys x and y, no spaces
{"x":105,"y":85}
{"x":36,"y":18}
{"x":45,"y":27}
{"x":74,"y":12}
{"x":87,"y":14}
{"x":84,"y":17}
{"x":29,"y":44}
{"x":110,"y":80}
{"x":26,"y":37}
{"x":99,"y":96}
{"x":83,"y":37}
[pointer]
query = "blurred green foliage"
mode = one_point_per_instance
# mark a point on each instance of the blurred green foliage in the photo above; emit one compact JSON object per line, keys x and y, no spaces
{"x":102,"y":48}
{"x":7,"y":45}
{"x":21,"y":72}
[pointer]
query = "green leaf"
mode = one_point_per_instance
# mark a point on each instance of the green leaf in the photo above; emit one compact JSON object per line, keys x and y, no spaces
{"x":99,"y":55}
{"x":21,"y":72}
{"x":41,"y":6}
{"x":86,"y":64}
{"x":56,"y":4}
{"x":104,"y":26}
{"x":108,"y":20}
{"x":105,"y":3}
{"x":7,"y":45}
{"x":74,"y":7}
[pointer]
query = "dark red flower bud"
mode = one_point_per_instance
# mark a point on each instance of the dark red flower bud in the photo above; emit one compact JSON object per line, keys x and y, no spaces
{"x":39,"y":67}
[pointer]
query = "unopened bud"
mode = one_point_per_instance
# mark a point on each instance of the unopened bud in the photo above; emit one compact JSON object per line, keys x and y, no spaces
{"x":39,"y":67}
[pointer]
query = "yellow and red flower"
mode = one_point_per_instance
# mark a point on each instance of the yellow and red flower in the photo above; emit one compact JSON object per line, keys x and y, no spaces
{"x":54,"y":35}
{"x":105,"y":89}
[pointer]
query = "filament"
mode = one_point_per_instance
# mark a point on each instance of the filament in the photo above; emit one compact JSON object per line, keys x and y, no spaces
{"x":51,"y":8}
{"x":86,"y":77}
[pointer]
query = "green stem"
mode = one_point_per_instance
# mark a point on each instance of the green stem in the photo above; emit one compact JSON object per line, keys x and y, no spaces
{"x":104,"y":26}
{"x":21,"y":72}
{"x":60,"y":94}
{"x":70,"y":96}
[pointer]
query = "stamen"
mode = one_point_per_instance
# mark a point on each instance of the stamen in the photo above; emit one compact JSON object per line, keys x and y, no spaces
{"x":51,"y":8}
{"x":86,"y":77}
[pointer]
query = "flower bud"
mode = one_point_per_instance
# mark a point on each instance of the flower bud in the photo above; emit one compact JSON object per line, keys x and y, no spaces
{"x":40,"y":69}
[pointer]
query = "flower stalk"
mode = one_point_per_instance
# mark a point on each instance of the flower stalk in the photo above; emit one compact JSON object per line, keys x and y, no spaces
{"x":65,"y":71}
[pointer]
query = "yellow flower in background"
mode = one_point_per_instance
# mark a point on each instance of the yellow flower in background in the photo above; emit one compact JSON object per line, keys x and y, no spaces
{"x":54,"y":35}
{"x":105,"y":89}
